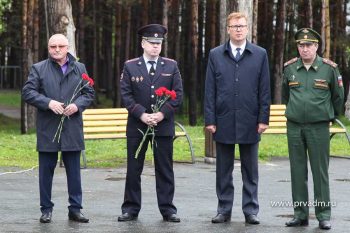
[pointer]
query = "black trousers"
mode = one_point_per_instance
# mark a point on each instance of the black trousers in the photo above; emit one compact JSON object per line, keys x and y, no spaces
{"x":163,"y":162}
{"x":47,"y":165}
{"x":225,"y":155}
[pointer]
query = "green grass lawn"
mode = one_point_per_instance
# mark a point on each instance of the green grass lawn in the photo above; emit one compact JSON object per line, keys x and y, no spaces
{"x":10,"y":98}
{"x":18,"y":150}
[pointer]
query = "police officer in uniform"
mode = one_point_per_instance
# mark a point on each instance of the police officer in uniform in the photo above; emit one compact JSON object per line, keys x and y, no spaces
{"x":313,"y":93}
{"x":140,"y":78}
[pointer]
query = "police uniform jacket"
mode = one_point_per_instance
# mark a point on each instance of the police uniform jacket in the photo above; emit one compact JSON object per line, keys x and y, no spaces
{"x":314,"y":95}
{"x":138,"y":94}
{"x":237,"y":93}
{"x":47,"y":82}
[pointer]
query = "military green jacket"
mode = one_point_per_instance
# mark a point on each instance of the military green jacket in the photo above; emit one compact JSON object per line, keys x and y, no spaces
{"x":313,"y":95}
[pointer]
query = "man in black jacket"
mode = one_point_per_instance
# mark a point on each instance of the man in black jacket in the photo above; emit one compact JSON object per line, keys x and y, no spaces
{"x":141,"y":77}
{"x":50,"y":87}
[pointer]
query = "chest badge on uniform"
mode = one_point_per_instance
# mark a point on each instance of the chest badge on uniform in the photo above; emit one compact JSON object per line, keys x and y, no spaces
{"x":141,"y":79}
{"x":137,"y":79}
{"x":321,"y":84}
{"x":294,"y":84}
{"x":132,"y":79}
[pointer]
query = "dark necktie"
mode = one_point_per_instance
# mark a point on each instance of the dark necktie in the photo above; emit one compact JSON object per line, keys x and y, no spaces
{"x":152,"y":71}
{"x":238,"y":54}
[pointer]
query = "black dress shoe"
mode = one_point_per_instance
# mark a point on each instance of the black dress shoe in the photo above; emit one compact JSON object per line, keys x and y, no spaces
{"x":77,"y":217}
{"x":46,"y":217}
{"x":252,"y":219}
{"x":297,"y":222}
{"x":127,"y":217}
{"x":220,"y":218}
{"x":171,"y":218}
{"x":324,"y":225}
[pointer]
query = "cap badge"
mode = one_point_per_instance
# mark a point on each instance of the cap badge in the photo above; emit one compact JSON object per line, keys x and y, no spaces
{"x":155,"y":34}
{"x":305,"y":31}
{"x":305,"y":37}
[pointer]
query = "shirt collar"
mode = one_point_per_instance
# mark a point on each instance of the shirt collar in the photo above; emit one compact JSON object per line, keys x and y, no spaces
{"x":315,"y":65}
{"x":147,"y":60}
{"x":234,"y":47}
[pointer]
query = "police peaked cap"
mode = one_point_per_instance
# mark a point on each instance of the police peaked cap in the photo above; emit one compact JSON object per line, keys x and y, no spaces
{"x":153,"y":33}
{"x":307,"y":35}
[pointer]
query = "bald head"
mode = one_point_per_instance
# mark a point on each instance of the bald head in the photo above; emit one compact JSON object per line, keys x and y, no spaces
{"x":58,"y":48}
{"x":58,"y":38}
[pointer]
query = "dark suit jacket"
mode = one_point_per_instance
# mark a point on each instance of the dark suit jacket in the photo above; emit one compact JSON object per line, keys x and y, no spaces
{"x":237,"y":93}
{"x":47,"y":82}
{"x":137,"y":91}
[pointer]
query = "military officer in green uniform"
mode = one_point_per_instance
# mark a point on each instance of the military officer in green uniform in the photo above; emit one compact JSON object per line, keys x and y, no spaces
{"x":313,"y":92}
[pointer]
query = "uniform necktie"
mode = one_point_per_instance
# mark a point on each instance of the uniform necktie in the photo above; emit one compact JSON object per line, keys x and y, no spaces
{"x":238,"y":54}
{"x":152,"y":71}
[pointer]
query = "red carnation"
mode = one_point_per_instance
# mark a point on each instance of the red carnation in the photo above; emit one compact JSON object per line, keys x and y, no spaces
{"x":173,"y":95}
{"x":87,"y":78}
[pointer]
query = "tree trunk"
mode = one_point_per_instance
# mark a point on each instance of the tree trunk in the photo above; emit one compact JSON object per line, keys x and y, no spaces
{"x":24,"y":115}
{"x":326,"y":35}
{"x":117,"y":71}
{"x":193,"y":79}
{"x":255,"y":22}
{"x":309,"y":15}
{"x":95,"y":69}
{"x":246,"y":7}
{"x":81,"y":32}
{"x":167,"y":4}
{"x":222,"y":21}
{"x":279,"y":50}
{"x":61,"y":21}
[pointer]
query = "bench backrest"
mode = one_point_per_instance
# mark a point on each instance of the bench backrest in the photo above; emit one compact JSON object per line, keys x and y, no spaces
{"x":105,"y":123}
{"x":278,"y":121}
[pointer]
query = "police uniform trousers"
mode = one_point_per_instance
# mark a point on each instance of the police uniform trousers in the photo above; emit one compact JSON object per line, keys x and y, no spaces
{"x":309,"y":140}
{"x":163,"y":162}
{"x":225,"y":155}
{"x":47,"y":165}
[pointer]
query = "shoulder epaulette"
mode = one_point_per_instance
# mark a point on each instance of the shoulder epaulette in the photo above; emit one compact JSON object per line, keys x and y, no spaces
{"x":329,"y":62}
{"x":134,"y":59}
{"x":168,"y":59}
{"x":291,"y":61}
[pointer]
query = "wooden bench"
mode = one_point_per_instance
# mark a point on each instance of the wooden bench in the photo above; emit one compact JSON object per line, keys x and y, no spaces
{"x":278,"y":122}
{"x":110,"y":123}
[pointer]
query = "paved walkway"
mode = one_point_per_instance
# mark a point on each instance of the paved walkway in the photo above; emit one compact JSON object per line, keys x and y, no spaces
{"x":195,"y":199}
{"x":10,"y":112}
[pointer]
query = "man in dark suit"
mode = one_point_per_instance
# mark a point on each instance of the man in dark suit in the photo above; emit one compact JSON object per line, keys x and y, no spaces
{"x":141,"y":77}
{"x":236,"y":108}
{"x":51,"y":84}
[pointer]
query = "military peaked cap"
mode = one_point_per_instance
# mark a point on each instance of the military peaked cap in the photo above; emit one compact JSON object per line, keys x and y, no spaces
{"x":307,"y":35}
{"x":153,"y":33}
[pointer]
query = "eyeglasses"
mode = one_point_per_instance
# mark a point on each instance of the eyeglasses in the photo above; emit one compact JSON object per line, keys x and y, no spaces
{"x":236,"y":27}
{"x":57,"y":46}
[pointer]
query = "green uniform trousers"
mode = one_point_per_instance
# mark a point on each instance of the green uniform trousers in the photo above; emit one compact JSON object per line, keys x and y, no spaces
{"x":309,"y":140}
